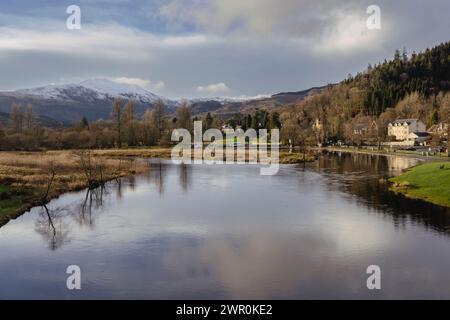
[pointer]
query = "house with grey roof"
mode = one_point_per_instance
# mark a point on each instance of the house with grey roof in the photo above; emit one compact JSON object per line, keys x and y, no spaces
{"x":401,"y":129}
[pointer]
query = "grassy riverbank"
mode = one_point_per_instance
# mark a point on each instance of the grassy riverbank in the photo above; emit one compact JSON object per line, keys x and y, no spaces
{"x":429,"y":182}
{"x":28,"y":179}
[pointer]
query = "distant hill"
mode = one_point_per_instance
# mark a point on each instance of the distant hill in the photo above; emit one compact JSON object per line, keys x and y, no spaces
{"x":227,"y":108}
{"x":291,"y":97}
{"x":92,"y":99}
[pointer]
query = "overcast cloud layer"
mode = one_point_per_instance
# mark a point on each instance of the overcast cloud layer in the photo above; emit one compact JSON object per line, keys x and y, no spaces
{"x":188,"y":48}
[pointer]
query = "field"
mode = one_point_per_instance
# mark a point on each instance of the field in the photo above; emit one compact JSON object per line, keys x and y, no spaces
{"x":28,"y":179}
{"x":429,"y":182}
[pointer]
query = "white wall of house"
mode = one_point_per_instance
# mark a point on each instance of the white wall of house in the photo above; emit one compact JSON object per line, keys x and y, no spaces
{"x":413,"y":137}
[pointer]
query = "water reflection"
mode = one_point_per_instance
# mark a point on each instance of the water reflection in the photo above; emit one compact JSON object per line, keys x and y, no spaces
{"x":362,"y":177}
{"x":157,"y":174}
{"x":185,"y":177}
{"x":52,"y":226}
{"x":93,"y":201}
{"x":226,"y":232}
{"x":365,"y":176}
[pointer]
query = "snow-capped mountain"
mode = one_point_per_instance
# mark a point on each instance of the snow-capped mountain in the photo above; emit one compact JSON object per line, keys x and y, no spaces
{"x":92,"y":99}
{"x":95,"y":89}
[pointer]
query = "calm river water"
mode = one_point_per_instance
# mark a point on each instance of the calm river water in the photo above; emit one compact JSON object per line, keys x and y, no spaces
{"x":226,"y":232}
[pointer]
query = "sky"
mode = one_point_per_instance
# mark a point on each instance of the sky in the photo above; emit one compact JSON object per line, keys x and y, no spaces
{"x":209,"y":48}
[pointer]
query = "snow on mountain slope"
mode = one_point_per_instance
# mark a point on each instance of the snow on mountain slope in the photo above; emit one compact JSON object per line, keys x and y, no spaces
{"x":96,"y":89}
{"x":110,"y":88}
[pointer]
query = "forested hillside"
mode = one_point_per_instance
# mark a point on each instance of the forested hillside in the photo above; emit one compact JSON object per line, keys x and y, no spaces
{"x":408,"y":86}
{"x":386,"y":84}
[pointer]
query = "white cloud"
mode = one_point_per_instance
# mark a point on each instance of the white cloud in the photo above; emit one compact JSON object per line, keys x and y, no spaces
{"x":255,"y":45}
{"x":324,"y":26}
{"x":133,"y":81}
{"x":106,"y":41}
{"x":213,"y":88}
{"x":293,"y":17}
{"x":350,"y":34}
{"x":144,"y":83}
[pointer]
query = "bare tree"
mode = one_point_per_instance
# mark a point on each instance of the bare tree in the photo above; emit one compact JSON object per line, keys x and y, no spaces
{"x":93,"y":169}
{"x":159,"y":118}
{"x":129,"y":122}
{"x":51,"y":169}
{"x":117,"y":119}
{"x":184,"y":116}
{"x":16,"y":117}
{"x":29,"y":117}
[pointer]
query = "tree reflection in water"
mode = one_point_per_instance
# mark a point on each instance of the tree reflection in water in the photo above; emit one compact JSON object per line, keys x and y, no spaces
{"x":52,"y":226}
{"x":93,"y":200}
{"x":185,"y":177}
{"x":158,"y":174}
{"x":365,"y":176}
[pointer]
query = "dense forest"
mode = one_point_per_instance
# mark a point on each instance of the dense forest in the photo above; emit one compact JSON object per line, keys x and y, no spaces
{"x":386,"y":84}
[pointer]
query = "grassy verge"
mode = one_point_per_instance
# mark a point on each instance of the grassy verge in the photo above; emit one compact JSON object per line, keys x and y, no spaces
{"x":429,"y":182}
{"x":28,"y":179}
{"x":14,"y":200}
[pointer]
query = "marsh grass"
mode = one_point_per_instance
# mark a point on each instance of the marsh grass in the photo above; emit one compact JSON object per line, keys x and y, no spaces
{"x":31,"y":178}
{"x":135,"y":153}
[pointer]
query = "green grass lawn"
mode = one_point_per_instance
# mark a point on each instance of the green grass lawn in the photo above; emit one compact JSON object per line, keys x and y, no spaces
{"x":430,"y":182}
{"x":6,"y":201}
{"x":13,"y":202}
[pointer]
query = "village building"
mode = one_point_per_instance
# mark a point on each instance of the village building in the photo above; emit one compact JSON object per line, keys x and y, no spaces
{"x":401,"y":129}
{"x":361,"y":129}
{"x":418,"y":138}
{"x":365,"y":128}
{"x":440,"y":129}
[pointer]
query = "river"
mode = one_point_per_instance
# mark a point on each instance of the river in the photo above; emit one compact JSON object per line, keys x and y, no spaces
{"x":227,"y":232}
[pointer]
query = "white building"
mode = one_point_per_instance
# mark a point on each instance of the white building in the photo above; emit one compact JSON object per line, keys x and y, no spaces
{"x":419,"y":138}
{"x":402,"y":128}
